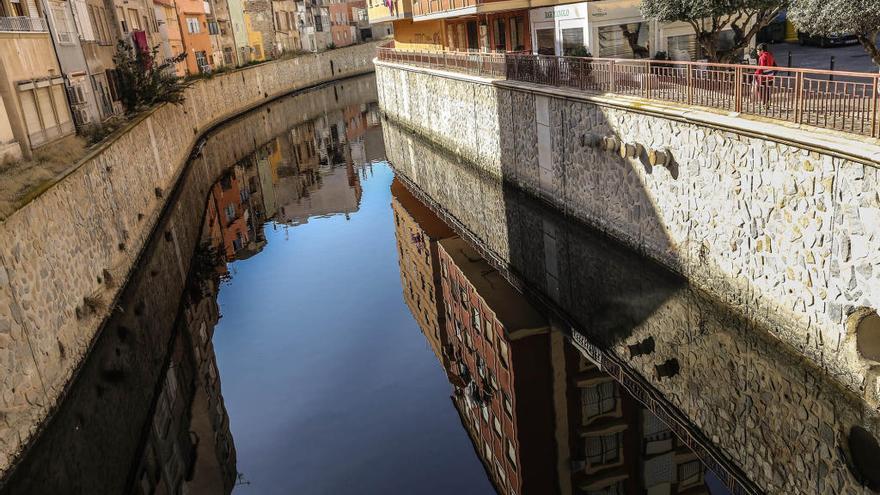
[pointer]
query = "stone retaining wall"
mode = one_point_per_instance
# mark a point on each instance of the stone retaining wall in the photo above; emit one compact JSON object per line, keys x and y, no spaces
{"x":780,"y":419}
{"x":788,"y":236}
{"x":67,"y":251}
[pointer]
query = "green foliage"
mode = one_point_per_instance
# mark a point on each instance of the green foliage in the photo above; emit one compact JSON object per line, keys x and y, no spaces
{"x":710,"y":17}
{"x":833,"y":17}
{"x":144,"y":82}
{"x":331,"y":46}
{"x":578,"y":51}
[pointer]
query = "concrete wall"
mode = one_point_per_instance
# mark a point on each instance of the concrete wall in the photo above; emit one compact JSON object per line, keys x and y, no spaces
{"x":768,"y":410}
{"x":62,"y":245}
{"x":787,"y":235}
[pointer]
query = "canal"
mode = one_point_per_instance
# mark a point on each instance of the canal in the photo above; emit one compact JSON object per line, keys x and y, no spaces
{"x":331,"y":305}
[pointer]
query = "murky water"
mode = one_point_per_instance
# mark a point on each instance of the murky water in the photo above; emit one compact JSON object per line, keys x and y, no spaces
{"x":305,"y":321}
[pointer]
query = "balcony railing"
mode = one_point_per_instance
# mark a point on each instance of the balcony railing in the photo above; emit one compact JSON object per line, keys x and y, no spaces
{"x":35,"y":24}
{"x":843,"y":101}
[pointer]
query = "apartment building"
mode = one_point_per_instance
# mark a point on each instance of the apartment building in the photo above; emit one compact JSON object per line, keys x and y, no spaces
{"x":34,"y":104}
{"x":170,"y":33}
{"x":286,"y":32}
{"x":313,"y":22}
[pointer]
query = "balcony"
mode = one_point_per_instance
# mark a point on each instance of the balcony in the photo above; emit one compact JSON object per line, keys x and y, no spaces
{"x":23,"y":24}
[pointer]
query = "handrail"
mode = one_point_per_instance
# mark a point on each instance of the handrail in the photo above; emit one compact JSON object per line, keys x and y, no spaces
{"x":840,"y":100}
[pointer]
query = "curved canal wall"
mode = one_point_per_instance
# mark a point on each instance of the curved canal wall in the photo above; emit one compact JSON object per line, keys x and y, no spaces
{"x":69,"y":249}
{"x":781,"y":223}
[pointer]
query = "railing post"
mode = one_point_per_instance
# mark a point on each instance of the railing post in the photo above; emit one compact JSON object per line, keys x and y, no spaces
{"x":611,"y":77}
{"x":648,"y":79}
{"x":798,"y":97}
{"x":738,"y":89}
{"x":874,"y":110}
{"x":690,"y":84}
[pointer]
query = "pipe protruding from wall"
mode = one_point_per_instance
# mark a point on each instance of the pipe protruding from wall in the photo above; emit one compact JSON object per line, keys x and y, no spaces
{"x":610,"y":144}
{"x":657,"y":156}
{"x":631,"y":150}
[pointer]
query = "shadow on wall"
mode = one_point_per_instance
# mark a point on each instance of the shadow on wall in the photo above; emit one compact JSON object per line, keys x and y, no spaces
{"x":726,"y":374}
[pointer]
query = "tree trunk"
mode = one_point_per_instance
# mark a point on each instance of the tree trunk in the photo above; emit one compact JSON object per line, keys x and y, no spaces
{"x":870,"y":46}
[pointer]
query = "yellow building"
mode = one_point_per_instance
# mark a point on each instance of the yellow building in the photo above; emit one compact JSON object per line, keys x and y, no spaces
{"x":255,"y":39}
{"x":408,"y":35}
{"x":34,"y":107}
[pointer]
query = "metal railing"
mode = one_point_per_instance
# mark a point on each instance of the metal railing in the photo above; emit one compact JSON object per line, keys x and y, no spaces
{"x":23,"y":24}
{"x":844,"y":101}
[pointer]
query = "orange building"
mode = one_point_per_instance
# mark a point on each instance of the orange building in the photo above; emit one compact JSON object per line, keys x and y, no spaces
{"x":196,"y":38}
{"x":231,"y":213}
{"x":342,"y":33}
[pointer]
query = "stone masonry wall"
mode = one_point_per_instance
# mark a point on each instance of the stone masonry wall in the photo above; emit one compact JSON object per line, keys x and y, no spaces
{"x":69,"y":249}
{"x":789,"y":237}
{"x":770,"y":411}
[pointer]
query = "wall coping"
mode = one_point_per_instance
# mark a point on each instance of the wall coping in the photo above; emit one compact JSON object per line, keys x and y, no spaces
{"x":858,"y":149}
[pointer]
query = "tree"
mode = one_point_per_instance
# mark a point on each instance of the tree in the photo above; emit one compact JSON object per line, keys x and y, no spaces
{"x":831,"y":17}
{"x":710,"y":17}
{"x":144,"y":82}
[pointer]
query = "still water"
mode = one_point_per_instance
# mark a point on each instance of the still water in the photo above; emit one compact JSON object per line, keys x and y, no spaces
{"x":304,"y":320}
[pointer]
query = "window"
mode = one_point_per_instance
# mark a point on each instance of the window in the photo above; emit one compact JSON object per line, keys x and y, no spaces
{"x":499,"y":34}
{"x":572,"y":39}
{"x":489,"y":331}
{"x":120,"y":15}
{"x":192,"y":25}
{"x":684,"y":48}
{"x":603,"y":449}
{"x":599,"y":399}
{"x":517,"y":33}
{"x":546,"y":39}
{"x":133,"y":20}
{"x":65,"y":31}
{"x":625,"y":40}
{"x":476,"y":318}
{"x":202,"y":62}
{"x":230,"y":212}
{"x":615,"y":489}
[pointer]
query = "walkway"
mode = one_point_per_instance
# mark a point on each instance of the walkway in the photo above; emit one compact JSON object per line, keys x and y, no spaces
{"x":843,"y":101}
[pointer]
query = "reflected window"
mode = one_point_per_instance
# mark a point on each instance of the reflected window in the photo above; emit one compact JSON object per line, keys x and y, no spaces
{"x":599,"y":399}
{"x":690,"y":473}
{"x":603,"y":449}
{"x":488,"y":330}
{"x":503,"y":352}
{"x":511,"y":453}
{"x":476,"y":318}
{"x":496,"y":425}
{"x":508,"y":407}
{"x":615,"y":489}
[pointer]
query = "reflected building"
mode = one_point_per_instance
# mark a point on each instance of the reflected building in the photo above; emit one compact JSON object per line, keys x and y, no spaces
{"x":418,"y":232}
{"x":542,"y":415}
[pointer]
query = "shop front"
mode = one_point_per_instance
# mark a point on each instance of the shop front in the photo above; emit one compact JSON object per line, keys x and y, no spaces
{"x":613,"y":28}
{"x":493,"y":32}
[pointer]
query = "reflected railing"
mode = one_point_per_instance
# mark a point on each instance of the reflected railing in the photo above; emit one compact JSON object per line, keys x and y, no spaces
{"x":837,"y":100}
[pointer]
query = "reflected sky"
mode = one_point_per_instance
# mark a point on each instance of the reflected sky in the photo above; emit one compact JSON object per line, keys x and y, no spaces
{"x":329,"y":384}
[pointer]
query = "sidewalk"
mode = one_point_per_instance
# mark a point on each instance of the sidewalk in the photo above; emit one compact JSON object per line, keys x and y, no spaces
{"x":847,"y":58}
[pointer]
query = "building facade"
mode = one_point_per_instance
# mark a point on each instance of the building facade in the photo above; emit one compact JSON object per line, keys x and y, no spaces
{"x":286,"y":32}
{"x":313,"y":21}
{"x":35,"y":110}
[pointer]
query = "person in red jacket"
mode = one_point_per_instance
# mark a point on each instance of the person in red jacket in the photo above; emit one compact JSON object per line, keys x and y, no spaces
{"x":763,"y":76}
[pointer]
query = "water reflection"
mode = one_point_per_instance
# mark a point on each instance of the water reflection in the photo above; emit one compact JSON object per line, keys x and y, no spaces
{"x":749,"y":408}
{"x":542,"y":417}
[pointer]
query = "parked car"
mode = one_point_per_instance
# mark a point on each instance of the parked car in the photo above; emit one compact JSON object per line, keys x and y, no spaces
{"x":826,"y":41}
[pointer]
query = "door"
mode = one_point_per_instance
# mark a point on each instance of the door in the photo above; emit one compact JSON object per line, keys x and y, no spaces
{"x":473,"y":40}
